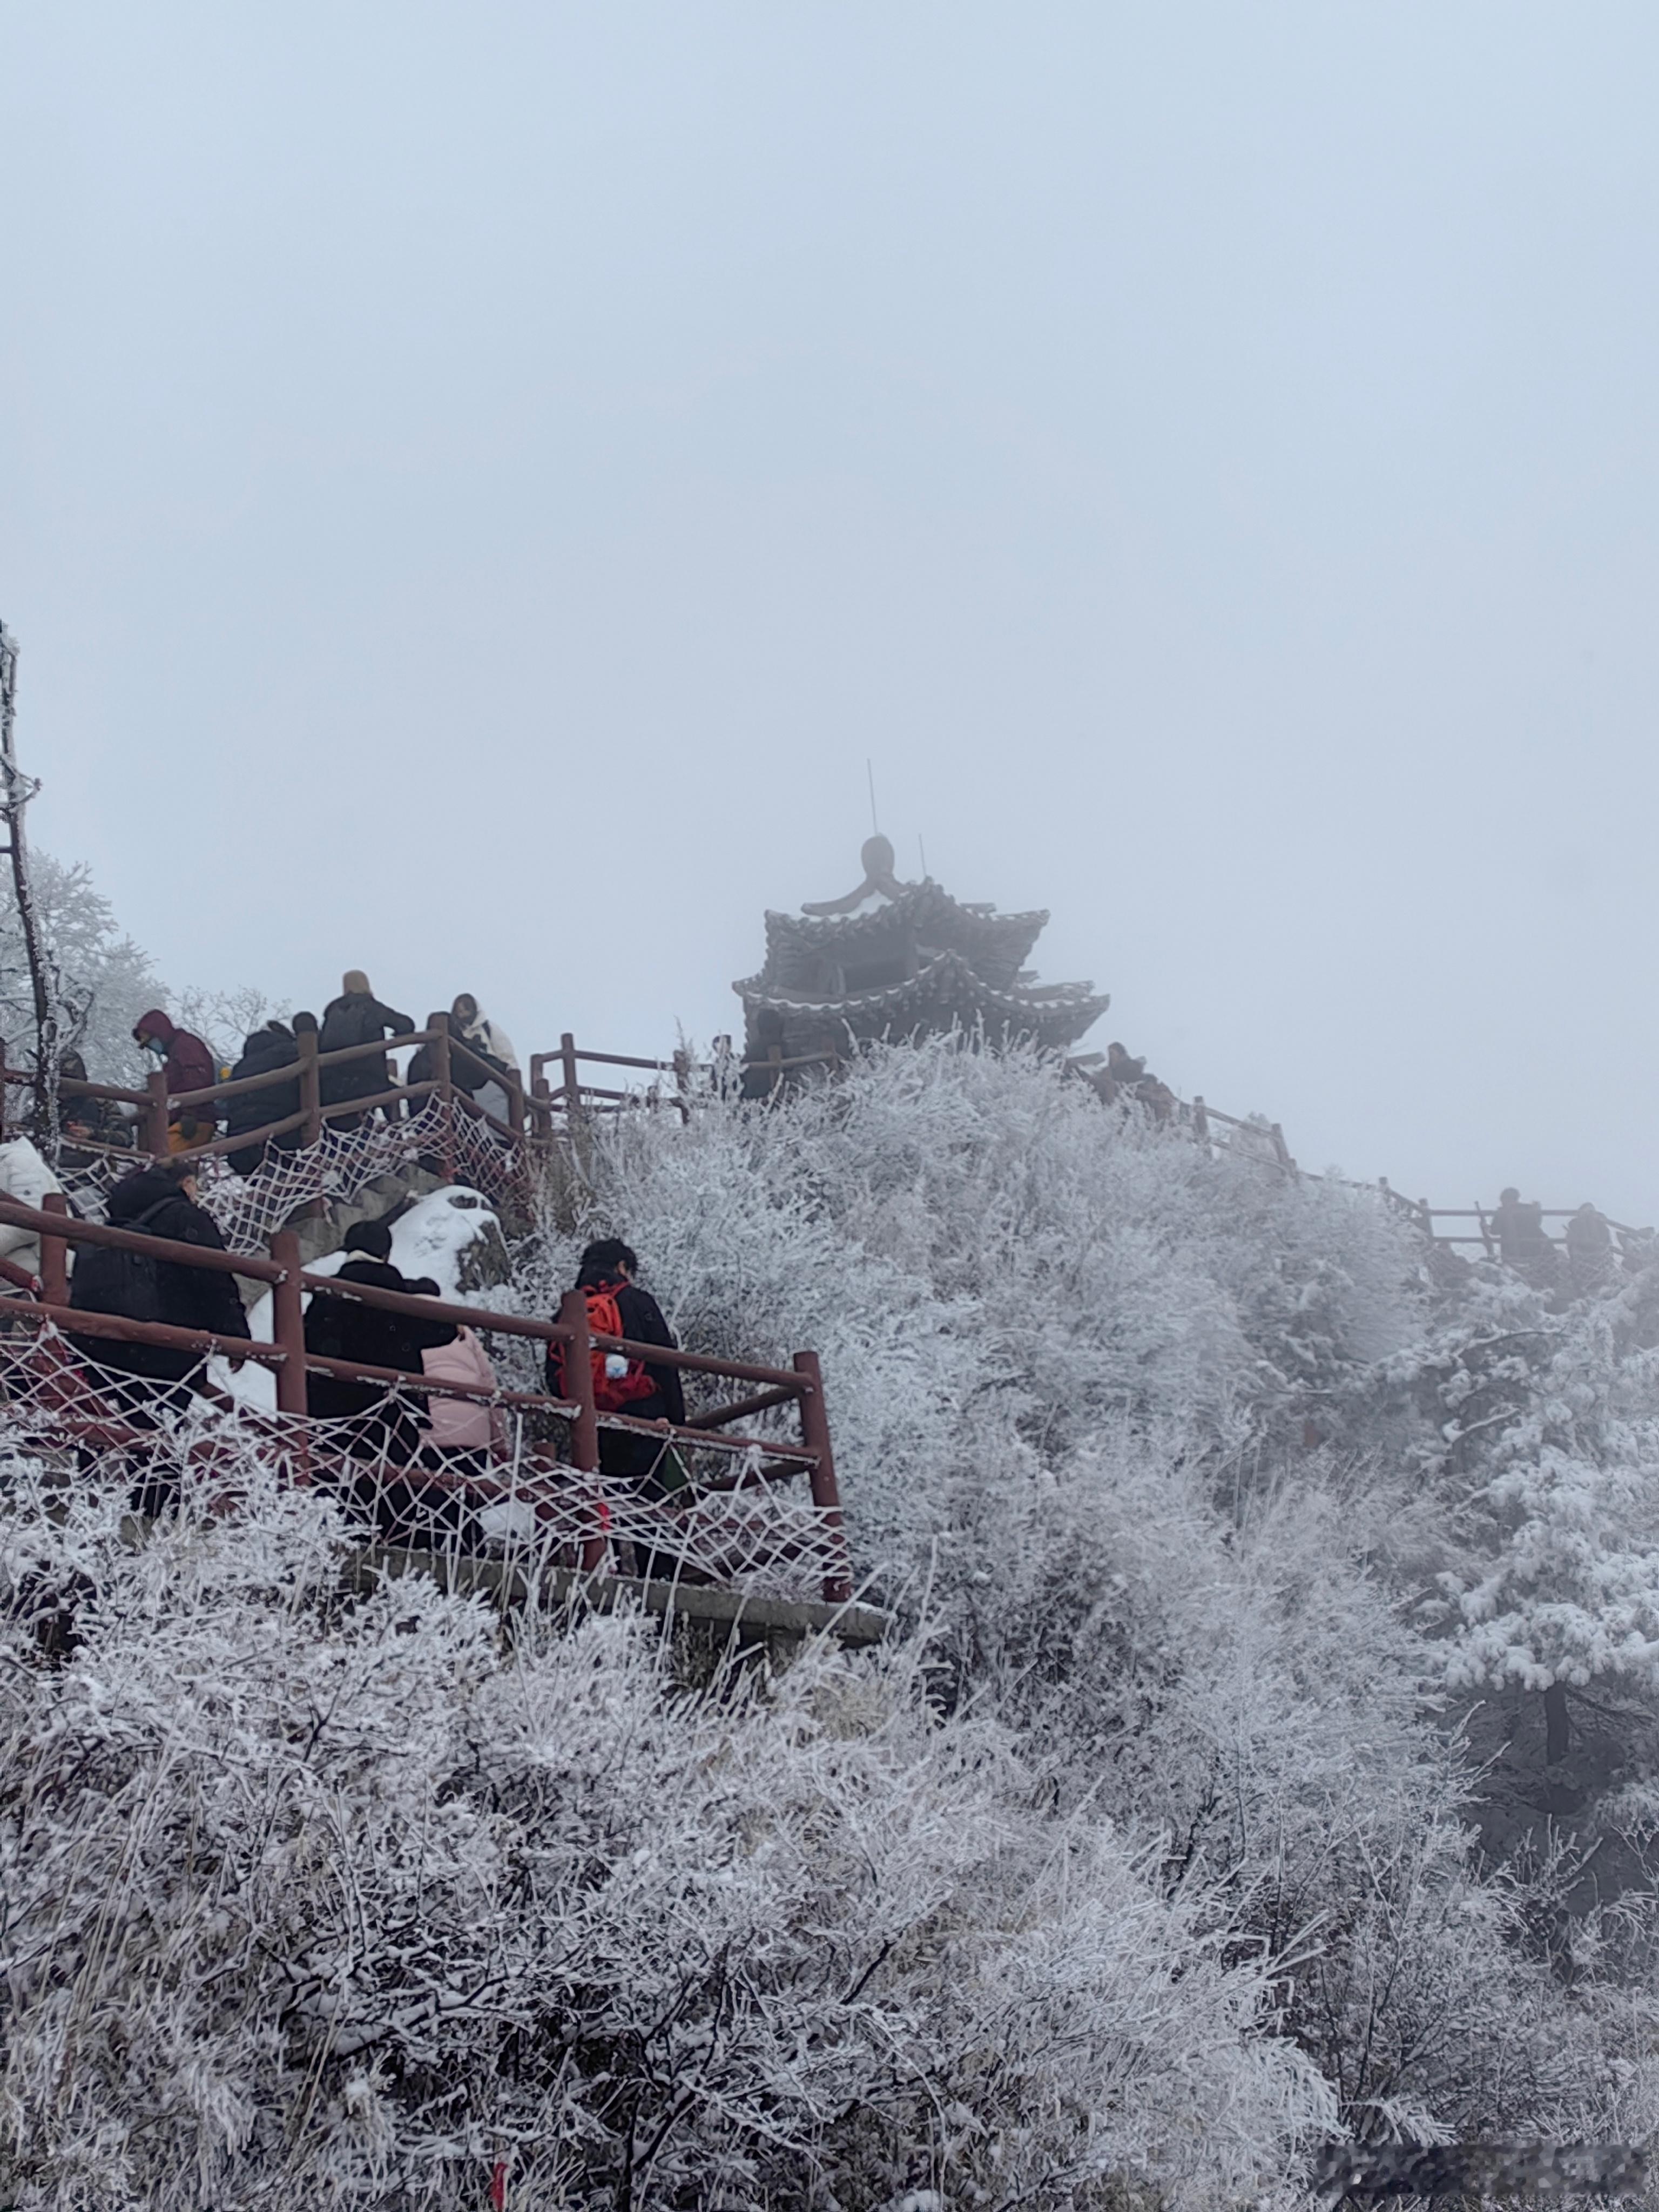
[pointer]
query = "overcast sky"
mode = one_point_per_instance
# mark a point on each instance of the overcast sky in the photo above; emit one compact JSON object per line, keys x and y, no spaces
{"x":479,"y":480}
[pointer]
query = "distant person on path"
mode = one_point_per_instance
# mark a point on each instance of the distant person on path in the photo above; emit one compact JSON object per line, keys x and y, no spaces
{"x":188,"y":1065}
{"x":88,"y":1122}
{"x":424,"y":1067}
{"x":357,"y":1017}
{"x":263,"y":1050}
{"x":1522,"y":1242}
{"x":1589,"y":1250}
{"x":482,"y":1034}
{"x":643,"y":1391}
{"x":1121,"y":1070}
{"x":344,"y":1329}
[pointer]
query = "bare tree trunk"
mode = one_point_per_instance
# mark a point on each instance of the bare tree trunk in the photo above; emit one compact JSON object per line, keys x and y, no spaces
{"x":15,"y":791}
{"x":1558,"y":1728}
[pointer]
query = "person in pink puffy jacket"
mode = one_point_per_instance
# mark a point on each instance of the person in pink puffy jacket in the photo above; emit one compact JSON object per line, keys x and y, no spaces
{"x":464,"y":1432}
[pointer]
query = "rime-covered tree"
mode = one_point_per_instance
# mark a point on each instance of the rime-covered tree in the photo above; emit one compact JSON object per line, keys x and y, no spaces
{"x":103,"y":982}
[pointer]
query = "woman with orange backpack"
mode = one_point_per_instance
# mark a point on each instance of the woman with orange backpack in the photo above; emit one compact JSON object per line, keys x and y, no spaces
{"x":616,"y":1306}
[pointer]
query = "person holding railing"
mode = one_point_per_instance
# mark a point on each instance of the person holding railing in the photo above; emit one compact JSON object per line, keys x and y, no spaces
{"x":262,"y":1051}
{"x":466,"y":1434}
{"x":618,"y":1306}
{"x":357,"y":1017}
{"x":153,"y":1201}
{"x":487,"y":1038}
{"x":1523,"y":1241}
{"x":1589,"y":1250}
{"x":382,"y":1427}
{"x":88,"y":1122}
{"x":187,"y":1064}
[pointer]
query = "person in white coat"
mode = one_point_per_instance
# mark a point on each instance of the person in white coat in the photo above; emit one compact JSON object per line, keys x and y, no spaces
{"x":484,"y":1035}
{"x":25,"y":1176}
{"x":492,"y":1040}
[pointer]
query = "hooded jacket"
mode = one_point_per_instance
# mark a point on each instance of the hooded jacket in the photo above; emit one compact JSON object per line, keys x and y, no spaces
{"x":189,"y":1064}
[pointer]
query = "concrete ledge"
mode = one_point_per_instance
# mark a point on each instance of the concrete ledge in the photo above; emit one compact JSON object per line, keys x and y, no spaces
{"x":786,"y":1619}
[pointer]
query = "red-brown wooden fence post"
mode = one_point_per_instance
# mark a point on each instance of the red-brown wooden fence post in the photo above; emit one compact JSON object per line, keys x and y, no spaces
{"x":311,"y":1087}
{"x":573,"y":1082}
{"x":815,"y":1434}
{"x":585,"y":1429}
{"x":54,"y":1254}
{"x":446,"y":1090}
{"x":156,"y":1113}
{"x":288,"y":1330}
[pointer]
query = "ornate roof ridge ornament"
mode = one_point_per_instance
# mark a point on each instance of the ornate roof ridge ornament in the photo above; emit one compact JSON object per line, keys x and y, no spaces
{"x":878,"y":861}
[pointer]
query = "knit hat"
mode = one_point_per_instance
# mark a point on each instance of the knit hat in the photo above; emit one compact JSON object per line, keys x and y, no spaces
{"x":355,"y":979}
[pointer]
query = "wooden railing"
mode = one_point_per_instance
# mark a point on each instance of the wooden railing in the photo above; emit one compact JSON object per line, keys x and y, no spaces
{"x":766,"y":1459}
{"x":572,"y":1094}
{"x":535,"y":1111}
{"x":155,"y":1108}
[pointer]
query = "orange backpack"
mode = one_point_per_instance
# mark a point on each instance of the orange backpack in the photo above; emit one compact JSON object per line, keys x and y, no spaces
{"x":612,"y":1394}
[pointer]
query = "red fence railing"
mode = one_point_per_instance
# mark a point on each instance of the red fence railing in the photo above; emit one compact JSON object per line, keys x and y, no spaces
{"x":753,"y":1460}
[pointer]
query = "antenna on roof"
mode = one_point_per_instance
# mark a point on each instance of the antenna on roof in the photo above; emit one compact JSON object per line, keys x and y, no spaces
{"x":870,"y":773}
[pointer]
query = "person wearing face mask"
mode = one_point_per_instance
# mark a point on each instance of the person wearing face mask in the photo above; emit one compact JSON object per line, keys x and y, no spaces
{"x":188,"y":1065}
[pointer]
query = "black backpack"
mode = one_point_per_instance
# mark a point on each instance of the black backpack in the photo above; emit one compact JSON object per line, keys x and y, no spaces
{"x":109,"y":1280}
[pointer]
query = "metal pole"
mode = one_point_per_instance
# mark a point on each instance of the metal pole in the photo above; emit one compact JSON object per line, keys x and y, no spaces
{"x":815,"y":1434}
{"x":54,"y":1255}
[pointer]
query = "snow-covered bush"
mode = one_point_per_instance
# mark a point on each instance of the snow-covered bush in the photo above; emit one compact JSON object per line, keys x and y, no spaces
{"x":314,"y":1899}
{"x":990,"y":1262}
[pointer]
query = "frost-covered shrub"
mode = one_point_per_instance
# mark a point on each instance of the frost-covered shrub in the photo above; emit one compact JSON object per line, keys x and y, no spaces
{"x":103,"y":981}
{"x":314,"y":1899}
{"x":988,"y":1260}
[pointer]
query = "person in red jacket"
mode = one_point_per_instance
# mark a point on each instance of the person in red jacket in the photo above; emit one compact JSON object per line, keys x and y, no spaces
{"x":188,"y":1065}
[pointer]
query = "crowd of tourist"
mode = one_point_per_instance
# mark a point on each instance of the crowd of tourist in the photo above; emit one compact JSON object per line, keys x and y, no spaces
{"x":354,"y":1020}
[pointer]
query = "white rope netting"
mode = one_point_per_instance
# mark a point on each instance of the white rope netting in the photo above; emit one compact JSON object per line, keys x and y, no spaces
{"x":339,"y":1166}
{"x":523,"y":1507}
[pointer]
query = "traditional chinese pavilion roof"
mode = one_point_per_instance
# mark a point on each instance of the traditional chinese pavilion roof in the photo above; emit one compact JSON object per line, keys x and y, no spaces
{"x":893,"y":959}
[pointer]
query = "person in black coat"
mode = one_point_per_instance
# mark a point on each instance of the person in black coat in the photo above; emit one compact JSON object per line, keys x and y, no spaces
{"x":263,"y":1050}
{"x":355,"y":1017}
{"x":610,"y":1265}
{"x":158,"y":1201}
{"x":344,"y":1329}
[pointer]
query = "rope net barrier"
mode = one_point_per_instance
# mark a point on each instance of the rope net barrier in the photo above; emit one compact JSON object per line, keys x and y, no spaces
{"x":83,"y":1420}
{"x":339,"y":1167}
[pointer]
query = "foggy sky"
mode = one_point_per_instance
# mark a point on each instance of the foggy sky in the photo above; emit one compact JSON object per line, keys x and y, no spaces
{"x":478,"y":481}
